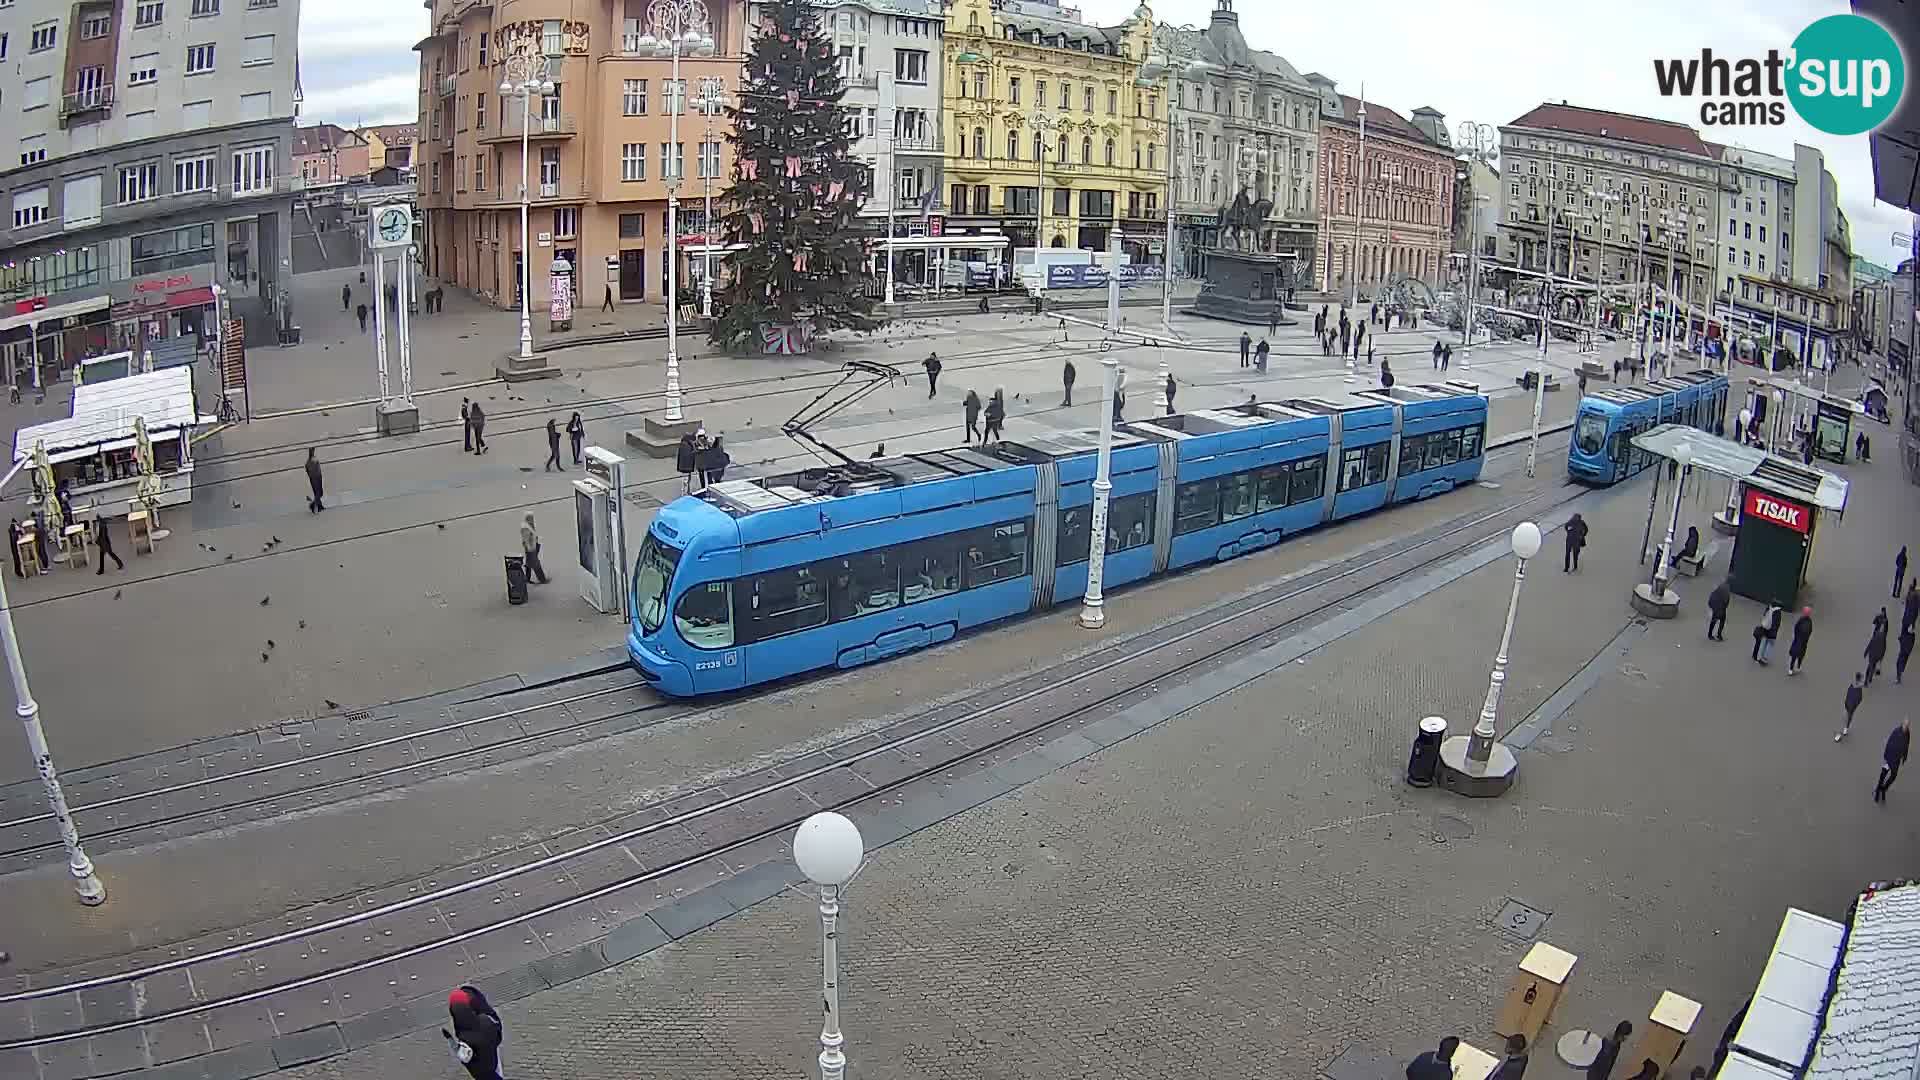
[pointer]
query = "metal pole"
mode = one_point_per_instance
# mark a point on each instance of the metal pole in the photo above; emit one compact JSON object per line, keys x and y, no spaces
{"x":380,"y":324}
{"x":1166,"y":260}
{"x":893,"y":198}
{"x":1480,"y":743}
{"x":833,"y":1060}
{"x":1661,"y":575}
{"x":1540,"y":361}
{"x":526,"y":241}
{"x":673,"y":229}
{"x":1113,"y":281}
{"x":1359,"y":197}
{"x":85,"y":883}
{"x":707,"y":105}
{"x":1093,"y":612}
{"x":403,"y":282}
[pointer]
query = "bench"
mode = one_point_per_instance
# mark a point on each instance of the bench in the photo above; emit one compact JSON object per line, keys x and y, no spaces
{"x":1692,"y":565}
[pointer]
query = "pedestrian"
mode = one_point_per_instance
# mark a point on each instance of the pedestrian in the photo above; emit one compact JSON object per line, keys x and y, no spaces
{"x":1876,"y":650}
{"x":314,"y":505}
{"x":1602,"y":1066}
{"x":1320,"y":323}
{"x":1797,"y":646}
{"x":40,"y":541}
{"x":1856,"y":692}
{"x":1764,"y":632}
{"x":1910,"y":611}
{"x":606,"y":302}
{"x":703,"y":462}
{"x":1170,"y":389}
{"x":1260,"y":352}
{"x":1576,"y":539}
{"x":1066,"y":379}
{"x":1514,"y":1065}
{"x":932,"y":364}
{"x":718,"y":459}
{"x":1435,"y":1064}
{"x":346,"y":298}
{"x":393,"y":299}
{"x":1892,"y":756}
{"x":1273,"y":321}
{"x":1900,"y":569}
{"x":972,"y":407}
{"x":576,"y":434}
{"x":360,"y":310}
{"x":1246,"y":350}
{"x":1581,"y":381}
{"x":13,"y":545}
{"x":466,"y":426}
{"x":479,"y":421}
{"x":553,"y":448}
{"x":1436,"y":356}
{"x":1906,"y":653}
{"x":477,"y":1033}
{"x":996,"y":416}
{"x":1373,"y":313}
{"x":683,"y":460}
{"x":1446,"y":357}
{"x":1386,"y":374}
{"x":103,"y":538}
{"x":530,"y":547}
{"x":1346,"y":337}
{"x":1359,"y":331}
{"x":1120,"y":398}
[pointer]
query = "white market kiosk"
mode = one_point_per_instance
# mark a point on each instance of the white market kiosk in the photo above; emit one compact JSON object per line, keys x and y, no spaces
{"x":92,"y":450}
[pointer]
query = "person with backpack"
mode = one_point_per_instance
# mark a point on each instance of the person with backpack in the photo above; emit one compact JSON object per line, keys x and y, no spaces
{"x":477,"y":1033}
{"x":996,"y":416}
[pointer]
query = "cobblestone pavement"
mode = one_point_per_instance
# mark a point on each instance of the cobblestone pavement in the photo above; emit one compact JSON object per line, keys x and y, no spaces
{"x":1250,"y":890}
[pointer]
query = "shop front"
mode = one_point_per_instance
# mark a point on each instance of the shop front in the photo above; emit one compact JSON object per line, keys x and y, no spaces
{"x":93,"y":450}
{"x":58,"y":336}
{"x":164,"y":306}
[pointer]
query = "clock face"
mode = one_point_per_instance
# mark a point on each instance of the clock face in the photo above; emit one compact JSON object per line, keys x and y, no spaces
{"x":393,"y":225}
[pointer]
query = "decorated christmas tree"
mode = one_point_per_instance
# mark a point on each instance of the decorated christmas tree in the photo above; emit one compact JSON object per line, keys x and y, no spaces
{"x":796,"y":191}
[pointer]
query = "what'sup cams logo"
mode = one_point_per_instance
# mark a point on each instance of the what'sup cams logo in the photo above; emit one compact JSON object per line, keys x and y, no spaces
{"x":1844,"y":75}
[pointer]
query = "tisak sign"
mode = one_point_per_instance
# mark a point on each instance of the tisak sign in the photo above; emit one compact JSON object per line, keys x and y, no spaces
{"x":1782,"y":512}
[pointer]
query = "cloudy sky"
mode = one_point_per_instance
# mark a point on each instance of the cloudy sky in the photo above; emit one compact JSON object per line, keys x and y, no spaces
{"x":1485,"y":60}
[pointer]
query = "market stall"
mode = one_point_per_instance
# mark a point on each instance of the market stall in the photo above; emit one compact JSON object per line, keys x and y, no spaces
{"x":94,"y":453}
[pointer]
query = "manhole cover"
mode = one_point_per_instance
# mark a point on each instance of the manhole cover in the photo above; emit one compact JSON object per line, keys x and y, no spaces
{"x":1520,"y":920}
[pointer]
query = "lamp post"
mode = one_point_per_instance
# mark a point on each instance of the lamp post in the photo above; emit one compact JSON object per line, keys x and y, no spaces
{"x":1655,"y":598}
{"x":1480,"y":141}
{"x":1540,"y":360}
{"x":674,"y":28}
{"x":1172,"y":55}
{"x":828,"y":849}
{"x":1042,"y":123}
{"x":524,"y":77}
{"x":712,"y":97}
{"x":1093,"y":611}
{"x":1359,"y":199}
{"x":1477,"y":764}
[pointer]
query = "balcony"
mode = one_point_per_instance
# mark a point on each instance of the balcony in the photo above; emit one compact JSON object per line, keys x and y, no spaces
{"x":927,"y":143}
{"x":444,"y":85}
{"x":563,"y":126}
{"x":868,"y":81}
{"x":97,"y":99}
{"x":543,"y":191}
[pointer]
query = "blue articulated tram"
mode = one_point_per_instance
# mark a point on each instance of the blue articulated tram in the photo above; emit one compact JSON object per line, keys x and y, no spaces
{"x":755,"y":580}
{"x":1601,"y":451}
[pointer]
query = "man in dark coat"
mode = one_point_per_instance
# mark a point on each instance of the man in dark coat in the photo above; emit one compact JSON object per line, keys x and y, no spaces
{"x":466,"y":426}
{"x":1892,"y":756}
{"x":1876,"y":650}
{"x":478,"y":419}
{"x":1346,"y":336}
{"x":1576,"y":539}
{"x":1514,"y":1065}
{"x":1602,"y":1066}
{"x":1717,"y":602}
{"x":1906,"y":653}
{"x":971,"y":406}
{"x":346,"y":298}
{"x":1260,"y":352}
{"x":1273,"y":320}
{"x":1246,"y":349}
{"x":932,"y":364}
{"x":1170,"y":389}
{"x":1910,"y":610}
{"x":1436,"y":356}
{"x":361,"y":312}
{"x":103,"y":537}
{"x":553,"y":448}
{"x":1066,"y":379}
{"x":314,"y":505}
{"x":1435,"y":1064}
{"x":1899,"y":569}
{"x":1856,"y":693}
{"x":1802,"y":634}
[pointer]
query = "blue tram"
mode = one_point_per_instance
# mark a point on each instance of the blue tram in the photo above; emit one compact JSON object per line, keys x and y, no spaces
{"x":755,"y":580}
{"x":1601,"y":451}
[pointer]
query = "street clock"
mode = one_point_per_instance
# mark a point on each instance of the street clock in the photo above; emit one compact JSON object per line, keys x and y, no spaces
{"x":391,"y":226}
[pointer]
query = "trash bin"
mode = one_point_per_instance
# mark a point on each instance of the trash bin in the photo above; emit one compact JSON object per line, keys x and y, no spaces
{"x":1425,"y":759}
{"x":517,"y":594}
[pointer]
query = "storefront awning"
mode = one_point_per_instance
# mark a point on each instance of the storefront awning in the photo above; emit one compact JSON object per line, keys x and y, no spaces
{"x":1724,"y":457}
{"x":55,"y":313}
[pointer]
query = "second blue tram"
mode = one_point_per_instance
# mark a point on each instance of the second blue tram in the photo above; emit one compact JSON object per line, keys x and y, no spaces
{"x":755,"y":580}
{"x":1601,"y":451}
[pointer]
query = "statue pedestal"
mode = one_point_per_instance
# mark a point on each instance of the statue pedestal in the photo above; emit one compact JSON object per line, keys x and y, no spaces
{"x":1245,"y":287}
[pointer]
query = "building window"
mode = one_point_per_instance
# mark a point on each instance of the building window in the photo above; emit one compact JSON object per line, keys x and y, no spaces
{"x":1013,"y":89}
{"x":633,"y":161}
{"x":480,"y":112}
{"x":670,"y":169}
{"x":1013,"y":146}
{"x":1066,"y":95}
{"x":552,"y":41}
{"x":29,"y":207}
{"x":1109,"y":151}
{"x":33,"y":149}
{"x":257,"y":49}
{"x":1113,"y":102}
{"x":980,"y":143}
{"x":205,"y":7}
{"x":139,"y":183}
{"x":44,"y":37}
{"x":566,"y":222}
{"x":479,"y":172}
{"x":633,"y":97}
{"x":256,"y":106}
{"x":199,"y":58}
{"x":910,"y":66}
{"x":633,"y":226}
{"x":143,"y":69}
{"x":253,"y":169}
{"x":193,"y":174}
{"x":1086,"y":149}
{"x":1086,"y":99}
{"x":147,"y":13}
{"x":96,"y":26}
{"x":709,"y":162}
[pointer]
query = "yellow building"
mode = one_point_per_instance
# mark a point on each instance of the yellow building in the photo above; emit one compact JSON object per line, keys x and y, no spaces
{"x":1038,"y":102}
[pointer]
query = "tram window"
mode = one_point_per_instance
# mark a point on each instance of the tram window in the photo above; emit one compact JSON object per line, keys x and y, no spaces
{"x":1413,"y":454}
{"x":1196,"y":506}
{"x":1443,"y":448}
{"x":995,"y":553}
{"x":929,"y":568}
{"x":1309,"y":480}
{"x":704,"y":615}
{"x":1353,"y":469}
{"x":863,"y":584}
{"x":1074,"y":531}
{"x":1272,"y":482}
{"x":1470,"y":440}
{"x":1130,"y":522}
{"x":1590,"y":432}
{"x":1236,"y":496}
{"x":781,"y":602}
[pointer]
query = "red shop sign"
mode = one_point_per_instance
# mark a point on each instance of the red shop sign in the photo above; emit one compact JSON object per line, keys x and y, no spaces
{"x":167,"y":284}
{"x":1779,"y":511}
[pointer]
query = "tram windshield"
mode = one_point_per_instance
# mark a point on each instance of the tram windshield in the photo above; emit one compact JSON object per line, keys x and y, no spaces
{"x":652,"y":575}
{"x":1590,"y":434}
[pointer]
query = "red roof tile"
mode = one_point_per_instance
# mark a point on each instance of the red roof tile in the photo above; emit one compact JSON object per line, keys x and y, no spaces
{"x":1381,"y":118}
{"x":1612,"y":125}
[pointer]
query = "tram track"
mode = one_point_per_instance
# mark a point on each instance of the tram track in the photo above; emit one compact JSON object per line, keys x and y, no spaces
{"x":688,"y":835}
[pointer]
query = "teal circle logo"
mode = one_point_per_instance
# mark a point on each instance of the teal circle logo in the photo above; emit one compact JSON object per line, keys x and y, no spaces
{"x":1848,"y":75}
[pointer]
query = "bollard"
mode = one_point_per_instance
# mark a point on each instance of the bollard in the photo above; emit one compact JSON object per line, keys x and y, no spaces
{"x":1425,"y":759}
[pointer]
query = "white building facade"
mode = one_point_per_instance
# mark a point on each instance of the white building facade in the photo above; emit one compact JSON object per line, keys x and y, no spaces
{"x":890,"y":54}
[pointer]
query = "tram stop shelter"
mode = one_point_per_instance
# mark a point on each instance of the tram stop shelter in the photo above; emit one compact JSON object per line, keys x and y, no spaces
{"x":1776,"y":506}
{"x":1829,"y":415}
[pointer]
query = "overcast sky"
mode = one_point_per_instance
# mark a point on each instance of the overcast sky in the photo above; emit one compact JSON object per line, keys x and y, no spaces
{"x":1488,"y":60}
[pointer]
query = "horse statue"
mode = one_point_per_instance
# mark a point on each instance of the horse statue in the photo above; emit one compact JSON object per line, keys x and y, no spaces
{"x":1240,"y":222}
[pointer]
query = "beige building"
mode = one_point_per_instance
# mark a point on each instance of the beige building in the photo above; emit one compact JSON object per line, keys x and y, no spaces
{"x":390,"y":144}
{"x":597,"y":148}
{"x":329,"y":154}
